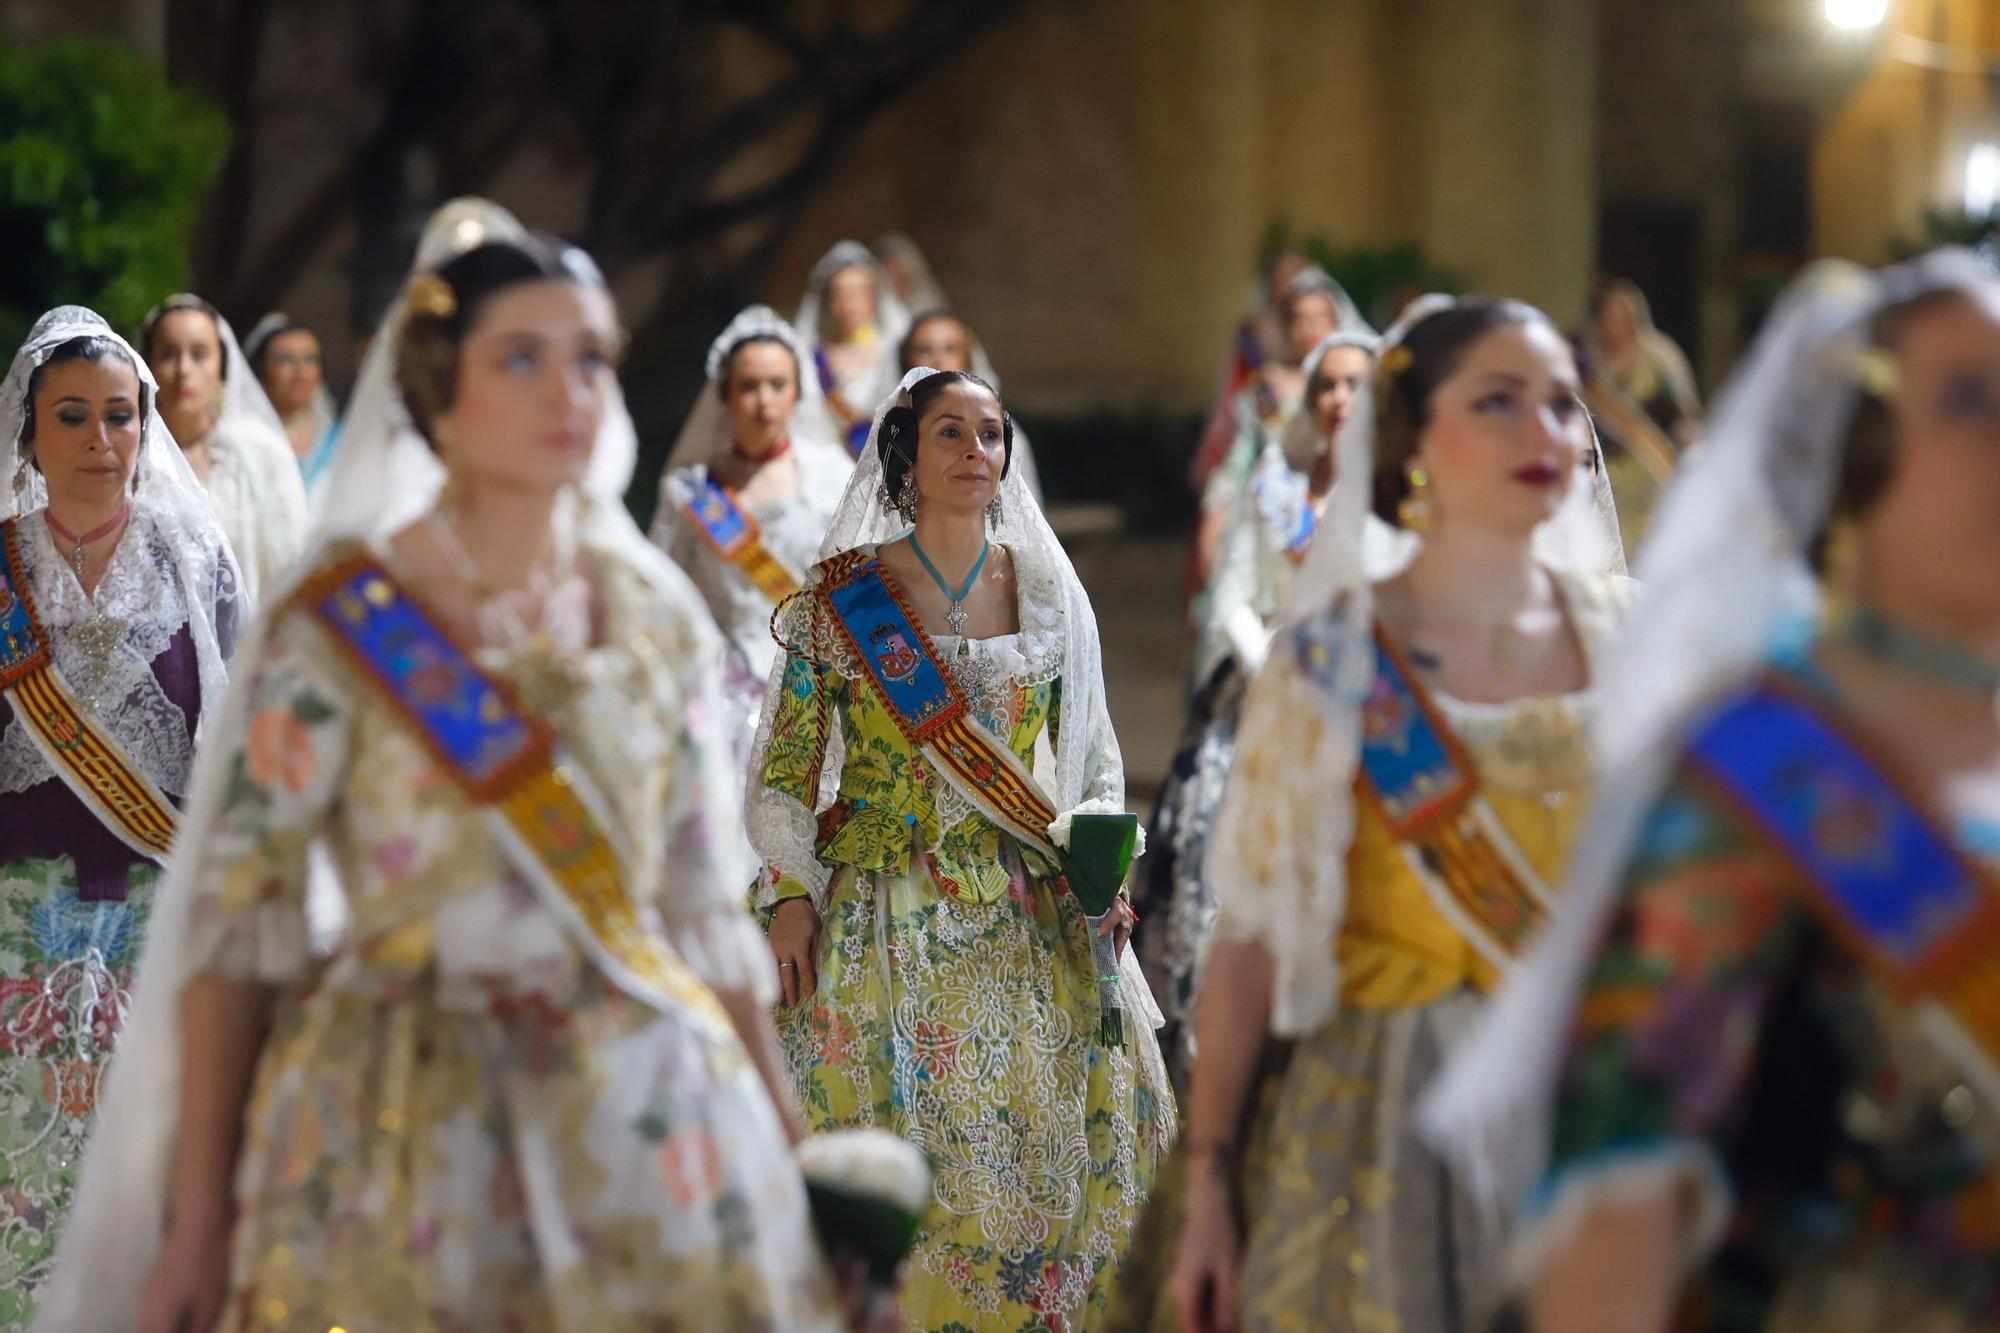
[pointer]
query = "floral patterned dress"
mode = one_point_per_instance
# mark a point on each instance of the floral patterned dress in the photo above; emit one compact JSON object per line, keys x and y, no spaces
{"x":457,"y":1122}
{"x":1848,"y":1179}
{"x":957,"y":999}
{"x":1350,"y":1223}
{"x":74,"y":899}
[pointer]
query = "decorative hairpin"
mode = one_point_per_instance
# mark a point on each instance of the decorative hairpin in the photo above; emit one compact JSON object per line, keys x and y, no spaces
{"x":428,"y":294}
{"x":1394,"y":362}
{"x":1875,"y":371}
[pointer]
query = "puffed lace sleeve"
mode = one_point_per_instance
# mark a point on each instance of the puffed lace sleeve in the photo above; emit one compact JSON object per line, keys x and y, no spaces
{"x":702,"y":907}
{"x":286,"y":765}
{"x":788,"y":766}
{"x":1278,"y":855}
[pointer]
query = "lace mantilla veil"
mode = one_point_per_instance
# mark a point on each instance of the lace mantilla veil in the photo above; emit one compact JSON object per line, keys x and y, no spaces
{"x":1726,"y":579}
{"x":384,"y":478}
{"x":1332,"y":609}
{"x":892,"y":317}
{"x":707,"y":433}
{"x":1088,"y":771}
{"x":172,"y":569}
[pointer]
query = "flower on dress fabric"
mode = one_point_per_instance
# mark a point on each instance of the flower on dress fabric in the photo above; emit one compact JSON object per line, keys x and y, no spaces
{"x":66,"y":927}
{"x":278,"y":750}
{"x":1021,"y":1276}
{"x":397,"y":857}
{"x":959,"y":1269}
{"x":71,"y":1085}
{"x":936,"y":1049}
{"x":691,"y":1168}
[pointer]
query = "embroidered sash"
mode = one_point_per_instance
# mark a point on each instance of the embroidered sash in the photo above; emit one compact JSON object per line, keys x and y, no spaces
{"x":543,"y":811}
{"x":854,"y":426}
{"x":927,"y":703}
{"x":1921,"y":914}
{"x":1423,"y":784}
{"x":82,"y":754}
{"x":734,"y":535}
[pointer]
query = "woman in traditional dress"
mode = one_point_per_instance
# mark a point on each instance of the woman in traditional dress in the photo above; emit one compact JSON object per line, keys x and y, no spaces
{"x":1314,"y":305}
{"x":286,"y":359}
{"x":852,"y":320}
{"x":1409,"y":768}
{"x":454,"y":1015}
{"x":1641,"y":393}
{"x":747,"y":495}
{"x":909,"y":271}
{"x":938,"y":338}
{"x":1764,"y":1012}
{"x":1259,"y":337}
{"x":940,"y":975}
{"x":1269,"y":531}
{"x":119,"y":603}
{"x":231,"y":434}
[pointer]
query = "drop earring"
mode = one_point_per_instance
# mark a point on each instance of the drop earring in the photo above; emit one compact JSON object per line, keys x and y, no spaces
{"x":1417,"y":512}
{"x":906,"y":497}
{"x":995,"y":511}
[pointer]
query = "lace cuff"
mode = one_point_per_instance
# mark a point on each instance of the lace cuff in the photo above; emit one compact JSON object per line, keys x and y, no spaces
{"x":1624,"y":1176}
{"x":787,"y":837}
{"x":726,"y":950}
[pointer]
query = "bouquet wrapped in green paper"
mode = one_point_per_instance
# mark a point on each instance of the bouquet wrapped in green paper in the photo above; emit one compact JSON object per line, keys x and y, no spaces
{"x":1099,"y":854}
{"x":869,"y":1190}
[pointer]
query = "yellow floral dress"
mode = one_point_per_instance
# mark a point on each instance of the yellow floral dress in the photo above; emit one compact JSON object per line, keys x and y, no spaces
{"x":957,"y":999}
{"x":1350,"y":1223}
{"x":457,"y":1122}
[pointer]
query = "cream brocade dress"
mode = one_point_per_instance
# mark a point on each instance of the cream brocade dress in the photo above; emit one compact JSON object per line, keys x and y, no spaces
{"x":457,"y":1122}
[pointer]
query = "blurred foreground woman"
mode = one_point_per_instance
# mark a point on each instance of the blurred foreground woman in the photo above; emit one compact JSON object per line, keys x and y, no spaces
{"x":1409,"y":771}
{"x":119,"y":604}
{"x":453,"y":1015}
{"x":1770,"y":1022}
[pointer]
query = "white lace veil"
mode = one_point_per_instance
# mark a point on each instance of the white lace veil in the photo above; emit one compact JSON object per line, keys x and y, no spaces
{"x":1301,"y":437}
{"x":706,"y":434}
{"x":1294,"y":922}
{"x":925,"y":292}
{"x":1088,"y":763}
{"x":1724,"y":571}
{"x":385,"y":477}
{"x":247,"y":415}
{"x":892,"y":317}
{"x":168,"y":494}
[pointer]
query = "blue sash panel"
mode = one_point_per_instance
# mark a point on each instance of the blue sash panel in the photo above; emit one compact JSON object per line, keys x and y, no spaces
{"x":463,"y":716}
{"x":894,"y":651}
{"x":719,"y":515}
{"x":21,"y":649}
{"x":1894,"y":879}
{"x":1412,"y":763}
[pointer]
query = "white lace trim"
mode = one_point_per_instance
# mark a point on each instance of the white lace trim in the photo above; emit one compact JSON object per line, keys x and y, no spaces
{"x":141,"y":590}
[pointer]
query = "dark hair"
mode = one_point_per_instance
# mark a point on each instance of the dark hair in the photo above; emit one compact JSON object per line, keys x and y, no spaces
{"x":897,"y":442}
{"x":184,"y":301}
{"x":930,"y":316}
{"x":1868,"y":447}
{"x":259,"y":347}
{"x":432,"y":333}
{"x":729,"y":361}
{"x":1411,"y":370}
{"x":93,"y":347}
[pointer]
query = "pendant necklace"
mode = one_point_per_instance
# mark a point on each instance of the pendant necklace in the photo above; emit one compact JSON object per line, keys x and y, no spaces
{"x":98,"y":635}
{"x":955,"y":616}
{"x":544,"y":670}
{"x":78,"y":543}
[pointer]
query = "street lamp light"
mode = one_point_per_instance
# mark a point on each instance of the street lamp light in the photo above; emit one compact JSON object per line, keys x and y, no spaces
{"x":1856,"y":15}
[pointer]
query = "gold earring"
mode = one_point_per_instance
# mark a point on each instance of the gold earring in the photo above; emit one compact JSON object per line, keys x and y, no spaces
{"x":1417,"y":512}
{"x":1840,"y":573}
